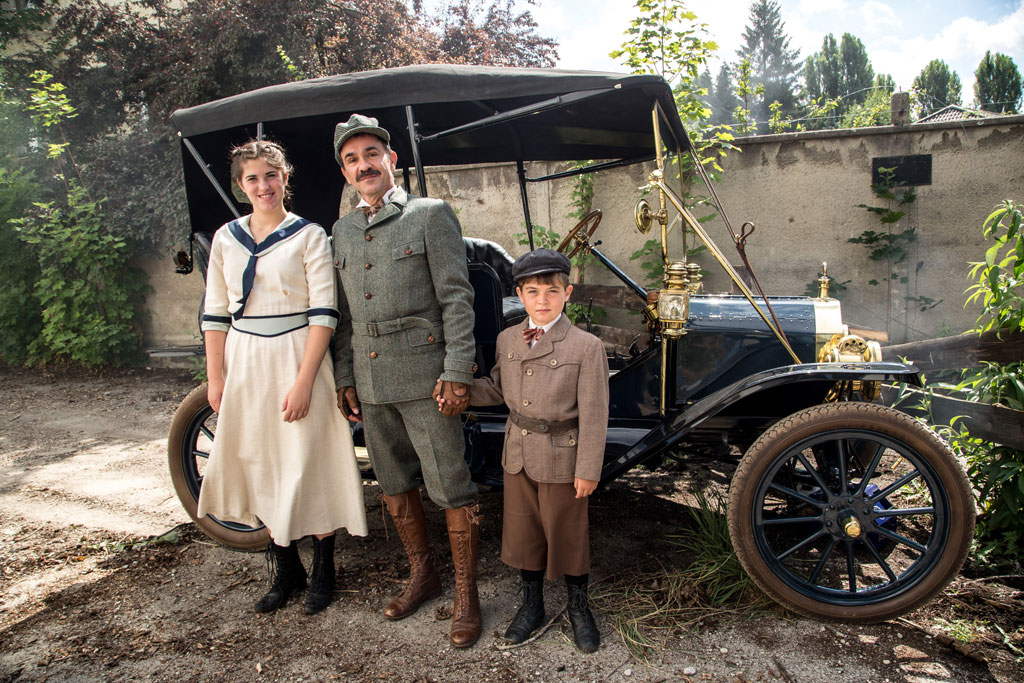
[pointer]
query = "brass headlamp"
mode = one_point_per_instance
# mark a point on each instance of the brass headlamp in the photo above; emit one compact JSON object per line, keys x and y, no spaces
{"x":674,"y":300}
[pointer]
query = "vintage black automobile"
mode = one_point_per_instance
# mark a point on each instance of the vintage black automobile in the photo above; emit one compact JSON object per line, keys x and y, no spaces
{"x":839,"y":508}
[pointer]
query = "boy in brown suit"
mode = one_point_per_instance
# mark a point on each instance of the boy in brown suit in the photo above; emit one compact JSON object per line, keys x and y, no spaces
{"x":554,"y":378}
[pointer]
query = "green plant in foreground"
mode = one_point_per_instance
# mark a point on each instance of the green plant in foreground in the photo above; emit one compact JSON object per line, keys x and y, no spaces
{"x":646,"y":607}
{"x":714,"y":565}
{"x":87,"y":295}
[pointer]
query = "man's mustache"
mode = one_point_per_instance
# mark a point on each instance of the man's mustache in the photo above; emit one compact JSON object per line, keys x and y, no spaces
{"x":369,"y":173}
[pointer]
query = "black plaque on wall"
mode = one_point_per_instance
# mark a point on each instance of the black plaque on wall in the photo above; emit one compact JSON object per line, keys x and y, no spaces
{"x":914,"y":169}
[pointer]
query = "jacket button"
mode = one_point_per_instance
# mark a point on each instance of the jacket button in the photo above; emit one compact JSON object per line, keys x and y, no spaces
{"x":510,"y":355}
{"x":431,"y":340}
{"x":337,"y":261}
{"x":529,"y":371}
{"x":408,"y":252}
{"x":369,"y":238}
{"x":553,"y":361}
{"x":572,"y":442}
{"x":526,"y":402}
{"x":525,"y":432}
{"x":373,"y":354}
{"x":370,"y":296}
{"x":368,"y":266}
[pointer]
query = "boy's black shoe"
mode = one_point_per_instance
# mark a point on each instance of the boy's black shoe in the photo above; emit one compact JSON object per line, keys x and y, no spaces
{"x":287,"y":576}
{"x":584,"y":629}
{"x":530,"y":616}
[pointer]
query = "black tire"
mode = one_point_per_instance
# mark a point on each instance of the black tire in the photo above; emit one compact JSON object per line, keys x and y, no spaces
{"x":192,"y":432}
{"x":850,"y":511}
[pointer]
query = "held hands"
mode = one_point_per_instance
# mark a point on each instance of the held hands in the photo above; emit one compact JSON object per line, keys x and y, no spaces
{"x":296,"y":402}
{"x":348,"y":404}
{"x":452,"y":397}
{"x":584,"y":487}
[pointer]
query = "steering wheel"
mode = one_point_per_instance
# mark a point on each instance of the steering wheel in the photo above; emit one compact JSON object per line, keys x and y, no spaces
{"x":592,"y":217}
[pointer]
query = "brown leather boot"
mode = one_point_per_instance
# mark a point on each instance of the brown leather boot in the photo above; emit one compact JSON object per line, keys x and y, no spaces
{"x":463,"y":534}
{"x":407,"y":512}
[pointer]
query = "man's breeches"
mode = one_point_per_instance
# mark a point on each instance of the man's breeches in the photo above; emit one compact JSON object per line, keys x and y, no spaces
{"x":408,"y":438}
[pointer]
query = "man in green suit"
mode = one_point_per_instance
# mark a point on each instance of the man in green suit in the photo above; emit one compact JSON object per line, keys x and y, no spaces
{"x":406,"y":331}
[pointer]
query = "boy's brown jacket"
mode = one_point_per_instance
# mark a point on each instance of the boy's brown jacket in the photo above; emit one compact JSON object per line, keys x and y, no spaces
{"x":564,"y":376}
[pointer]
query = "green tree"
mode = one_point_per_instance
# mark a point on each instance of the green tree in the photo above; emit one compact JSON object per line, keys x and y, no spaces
{"x":937,"y":86}
{"x":838,"y":71}
{"x":774,"y":66}
{"x":667,"y":40}
{"x":136,"y":61}
{"x":997,"y":85}
{"x":876,"y":110}
{"x":723,"y":101}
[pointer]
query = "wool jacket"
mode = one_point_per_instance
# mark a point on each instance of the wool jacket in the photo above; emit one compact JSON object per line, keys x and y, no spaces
{"x":564,"y":376}
{"x":405,"y":301}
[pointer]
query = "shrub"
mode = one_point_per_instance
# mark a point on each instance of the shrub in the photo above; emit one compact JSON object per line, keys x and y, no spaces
{"x":87,"y":296}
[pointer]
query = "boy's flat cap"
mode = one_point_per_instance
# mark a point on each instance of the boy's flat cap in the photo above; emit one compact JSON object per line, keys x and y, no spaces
{"x":540,"y":262}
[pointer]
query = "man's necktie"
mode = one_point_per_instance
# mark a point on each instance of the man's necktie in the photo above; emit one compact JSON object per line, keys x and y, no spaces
{"x":530,"y":334}
{"x":371,"y":211}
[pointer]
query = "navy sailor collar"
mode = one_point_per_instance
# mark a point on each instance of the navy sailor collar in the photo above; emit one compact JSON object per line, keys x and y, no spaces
{"x":239,"y":229}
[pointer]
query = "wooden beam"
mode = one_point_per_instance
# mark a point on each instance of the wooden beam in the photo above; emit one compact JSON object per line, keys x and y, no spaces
{"x":606,"y":297}
{"x":959,"y":352}
{"x":991,"y":423}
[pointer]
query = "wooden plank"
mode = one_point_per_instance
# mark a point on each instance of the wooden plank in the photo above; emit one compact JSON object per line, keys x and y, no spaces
{"x":992,"y":423}
{"x":606,"y":297}
{"x":962,"y":351}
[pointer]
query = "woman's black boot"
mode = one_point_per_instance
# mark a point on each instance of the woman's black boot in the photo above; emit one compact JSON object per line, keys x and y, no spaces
{"x":321,"y":583}
{"x":287,"y":576}
{"x":530,"y":616}
{"x":584,"y":629}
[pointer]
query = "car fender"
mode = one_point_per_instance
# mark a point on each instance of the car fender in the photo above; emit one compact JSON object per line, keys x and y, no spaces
{"x":677,"y":424}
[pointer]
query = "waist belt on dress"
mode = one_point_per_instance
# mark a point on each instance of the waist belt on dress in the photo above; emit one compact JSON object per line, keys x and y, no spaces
{"x":543,"y":426}
{"x":270,"y":325}
{"x":391,"y":326}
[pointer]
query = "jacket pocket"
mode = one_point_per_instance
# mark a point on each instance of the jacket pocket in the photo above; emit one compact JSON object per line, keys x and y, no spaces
{"x":563,"y":451}
{"x":339,"y":261}
{"x":429,"y":334}
{"x":408,"y":250}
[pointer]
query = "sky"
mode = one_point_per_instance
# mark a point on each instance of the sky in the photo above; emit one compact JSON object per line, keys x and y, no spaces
{"x":901,"y":36}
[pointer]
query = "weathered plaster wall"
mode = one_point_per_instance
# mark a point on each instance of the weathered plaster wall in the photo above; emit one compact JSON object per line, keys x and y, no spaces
{"x":801,"y":191}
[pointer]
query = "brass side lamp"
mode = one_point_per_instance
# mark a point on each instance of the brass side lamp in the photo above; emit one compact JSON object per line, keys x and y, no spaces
{"x":674,"y":301}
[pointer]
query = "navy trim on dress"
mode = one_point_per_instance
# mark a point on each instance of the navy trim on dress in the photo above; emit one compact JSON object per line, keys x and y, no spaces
{"x":207,"y":318}
{"x":332,"y":312}
{"x":255,"y":250}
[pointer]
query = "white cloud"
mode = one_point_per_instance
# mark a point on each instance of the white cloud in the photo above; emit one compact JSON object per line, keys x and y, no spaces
{"x":878,"y":15}
{"x":961,"y":44}
{"x":585,"y":43}
{"x":809,"y":8}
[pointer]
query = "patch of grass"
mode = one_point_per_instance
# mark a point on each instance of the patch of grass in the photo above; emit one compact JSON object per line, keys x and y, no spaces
{"x":964,"y":630}
{"x":647,"y":607}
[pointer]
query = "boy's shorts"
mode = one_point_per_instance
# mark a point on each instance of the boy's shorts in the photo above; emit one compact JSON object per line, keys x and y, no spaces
{"x":544,"y":527}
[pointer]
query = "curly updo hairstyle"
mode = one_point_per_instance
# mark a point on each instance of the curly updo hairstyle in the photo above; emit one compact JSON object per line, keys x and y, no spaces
{"x":271,"y":152}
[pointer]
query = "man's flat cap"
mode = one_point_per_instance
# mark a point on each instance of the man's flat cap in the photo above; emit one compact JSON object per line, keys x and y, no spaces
{"x":540,"y":262}
{"x":357,"y":124}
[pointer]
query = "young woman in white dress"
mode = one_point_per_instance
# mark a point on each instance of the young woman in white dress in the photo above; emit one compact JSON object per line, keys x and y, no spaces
{"x":283,"y":453}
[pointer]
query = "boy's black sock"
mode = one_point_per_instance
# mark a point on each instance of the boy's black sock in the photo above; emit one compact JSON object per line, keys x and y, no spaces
{"x":578,"y":581}
{"x":531,"y":575}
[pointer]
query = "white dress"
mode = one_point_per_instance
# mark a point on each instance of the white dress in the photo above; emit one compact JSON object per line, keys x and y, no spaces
{"x":298,"y":478}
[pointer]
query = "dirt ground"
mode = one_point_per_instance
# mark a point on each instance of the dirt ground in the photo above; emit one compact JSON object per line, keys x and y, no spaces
{"x":85,"y":596}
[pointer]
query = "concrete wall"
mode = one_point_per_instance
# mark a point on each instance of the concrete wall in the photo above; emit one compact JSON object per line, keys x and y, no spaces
{"x":800,"y":189}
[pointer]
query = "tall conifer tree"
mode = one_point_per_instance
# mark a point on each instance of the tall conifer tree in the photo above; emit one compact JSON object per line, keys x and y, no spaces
{"x":774,"y":65}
